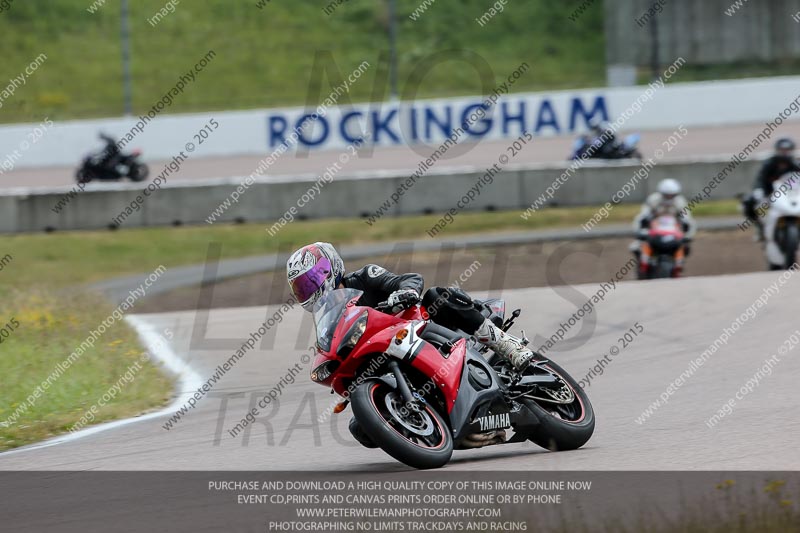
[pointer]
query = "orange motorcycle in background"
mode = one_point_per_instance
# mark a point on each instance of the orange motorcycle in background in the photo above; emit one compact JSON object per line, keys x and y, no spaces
{"x":663,"y":249}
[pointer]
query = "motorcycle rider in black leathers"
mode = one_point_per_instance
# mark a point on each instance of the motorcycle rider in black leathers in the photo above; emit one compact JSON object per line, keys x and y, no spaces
{"x":110,"y":152}
{"x":780,"y":163}
{"x":318,"y":268}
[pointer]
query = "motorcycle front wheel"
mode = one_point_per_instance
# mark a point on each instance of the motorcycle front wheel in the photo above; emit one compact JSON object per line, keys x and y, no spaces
{"x":83,"y":176}
{"x":418,"y":439}
{"x":664,"y":269}
{"x":790,"y":243}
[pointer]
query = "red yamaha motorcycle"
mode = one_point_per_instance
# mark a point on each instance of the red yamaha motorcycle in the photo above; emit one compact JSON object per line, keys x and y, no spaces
{"x":419,"y":390}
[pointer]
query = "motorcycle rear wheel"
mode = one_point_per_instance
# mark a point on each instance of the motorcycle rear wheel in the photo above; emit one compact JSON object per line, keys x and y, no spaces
{"x":561,"y":426}
{"x":139,"y":172}
{"x":420,"y":440}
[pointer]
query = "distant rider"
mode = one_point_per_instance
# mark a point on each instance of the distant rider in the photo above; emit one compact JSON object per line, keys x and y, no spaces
{"x":110,"y":152}
{"x":781,"y":162}
{"x":666,"y":201}
{"x":604,"y":144}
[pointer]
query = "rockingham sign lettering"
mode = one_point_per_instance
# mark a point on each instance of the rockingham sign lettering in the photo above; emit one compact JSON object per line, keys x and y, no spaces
{"x":495,"y":116}
{"x":433,"y":121}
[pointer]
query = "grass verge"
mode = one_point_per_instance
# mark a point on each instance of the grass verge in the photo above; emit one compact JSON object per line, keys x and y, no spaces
{"x":272,"y":56}
{"x":267,"y":64}
{"x":110,"y":379}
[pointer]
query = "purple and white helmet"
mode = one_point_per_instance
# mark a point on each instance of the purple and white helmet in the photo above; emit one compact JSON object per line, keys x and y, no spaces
{"x":312,"y":270}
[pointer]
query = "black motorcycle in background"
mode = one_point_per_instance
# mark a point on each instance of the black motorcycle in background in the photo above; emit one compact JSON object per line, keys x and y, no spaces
{"x":109,"y":164}
{"x":588,"y":147}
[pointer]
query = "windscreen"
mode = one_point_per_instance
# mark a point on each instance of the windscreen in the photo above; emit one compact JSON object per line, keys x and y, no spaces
{"x":327,"y":312}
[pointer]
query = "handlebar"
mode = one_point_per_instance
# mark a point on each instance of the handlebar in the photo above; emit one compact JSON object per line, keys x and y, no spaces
{"x":384,"y":306}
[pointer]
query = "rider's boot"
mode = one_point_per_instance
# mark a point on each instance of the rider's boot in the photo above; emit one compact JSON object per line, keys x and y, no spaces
{"x":504,"y":345}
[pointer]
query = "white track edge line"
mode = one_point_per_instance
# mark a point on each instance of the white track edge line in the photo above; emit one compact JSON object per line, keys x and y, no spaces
{"x":188,"y":380}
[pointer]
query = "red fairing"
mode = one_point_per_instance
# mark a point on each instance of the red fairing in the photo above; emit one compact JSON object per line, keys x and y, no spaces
{"x":446,"y":372}
{"x":380,"y":332}
{"x":414,"y":313}
{"x":666,"y":225}
{"x":381,"y":329}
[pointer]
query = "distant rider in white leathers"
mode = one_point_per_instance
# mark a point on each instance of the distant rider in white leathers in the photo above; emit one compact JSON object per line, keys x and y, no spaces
{"x":667,"y":200}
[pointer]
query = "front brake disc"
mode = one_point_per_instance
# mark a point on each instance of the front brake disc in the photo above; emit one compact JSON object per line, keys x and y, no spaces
{"x":419,"y":423}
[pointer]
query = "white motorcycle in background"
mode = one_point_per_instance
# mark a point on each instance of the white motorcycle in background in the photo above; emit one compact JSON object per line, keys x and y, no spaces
{"x":782,"y":222}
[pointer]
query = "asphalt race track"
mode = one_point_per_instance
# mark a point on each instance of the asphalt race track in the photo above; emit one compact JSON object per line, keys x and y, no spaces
{"x":681,"y":318}
{"x":706,"y":141}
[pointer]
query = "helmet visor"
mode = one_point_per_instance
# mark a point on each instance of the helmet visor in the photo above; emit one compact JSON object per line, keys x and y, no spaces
{"x":308,"y":283}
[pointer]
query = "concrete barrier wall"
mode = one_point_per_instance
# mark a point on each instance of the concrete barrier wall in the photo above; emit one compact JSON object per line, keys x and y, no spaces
{"x":704,"y":32}
{"x":268,"y":201}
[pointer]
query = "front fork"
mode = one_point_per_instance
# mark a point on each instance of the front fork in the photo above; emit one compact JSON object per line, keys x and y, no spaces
{"x":411,"y":400}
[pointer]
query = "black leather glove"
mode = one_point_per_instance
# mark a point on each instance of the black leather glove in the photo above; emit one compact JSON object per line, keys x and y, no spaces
{"x":687,"y":249}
